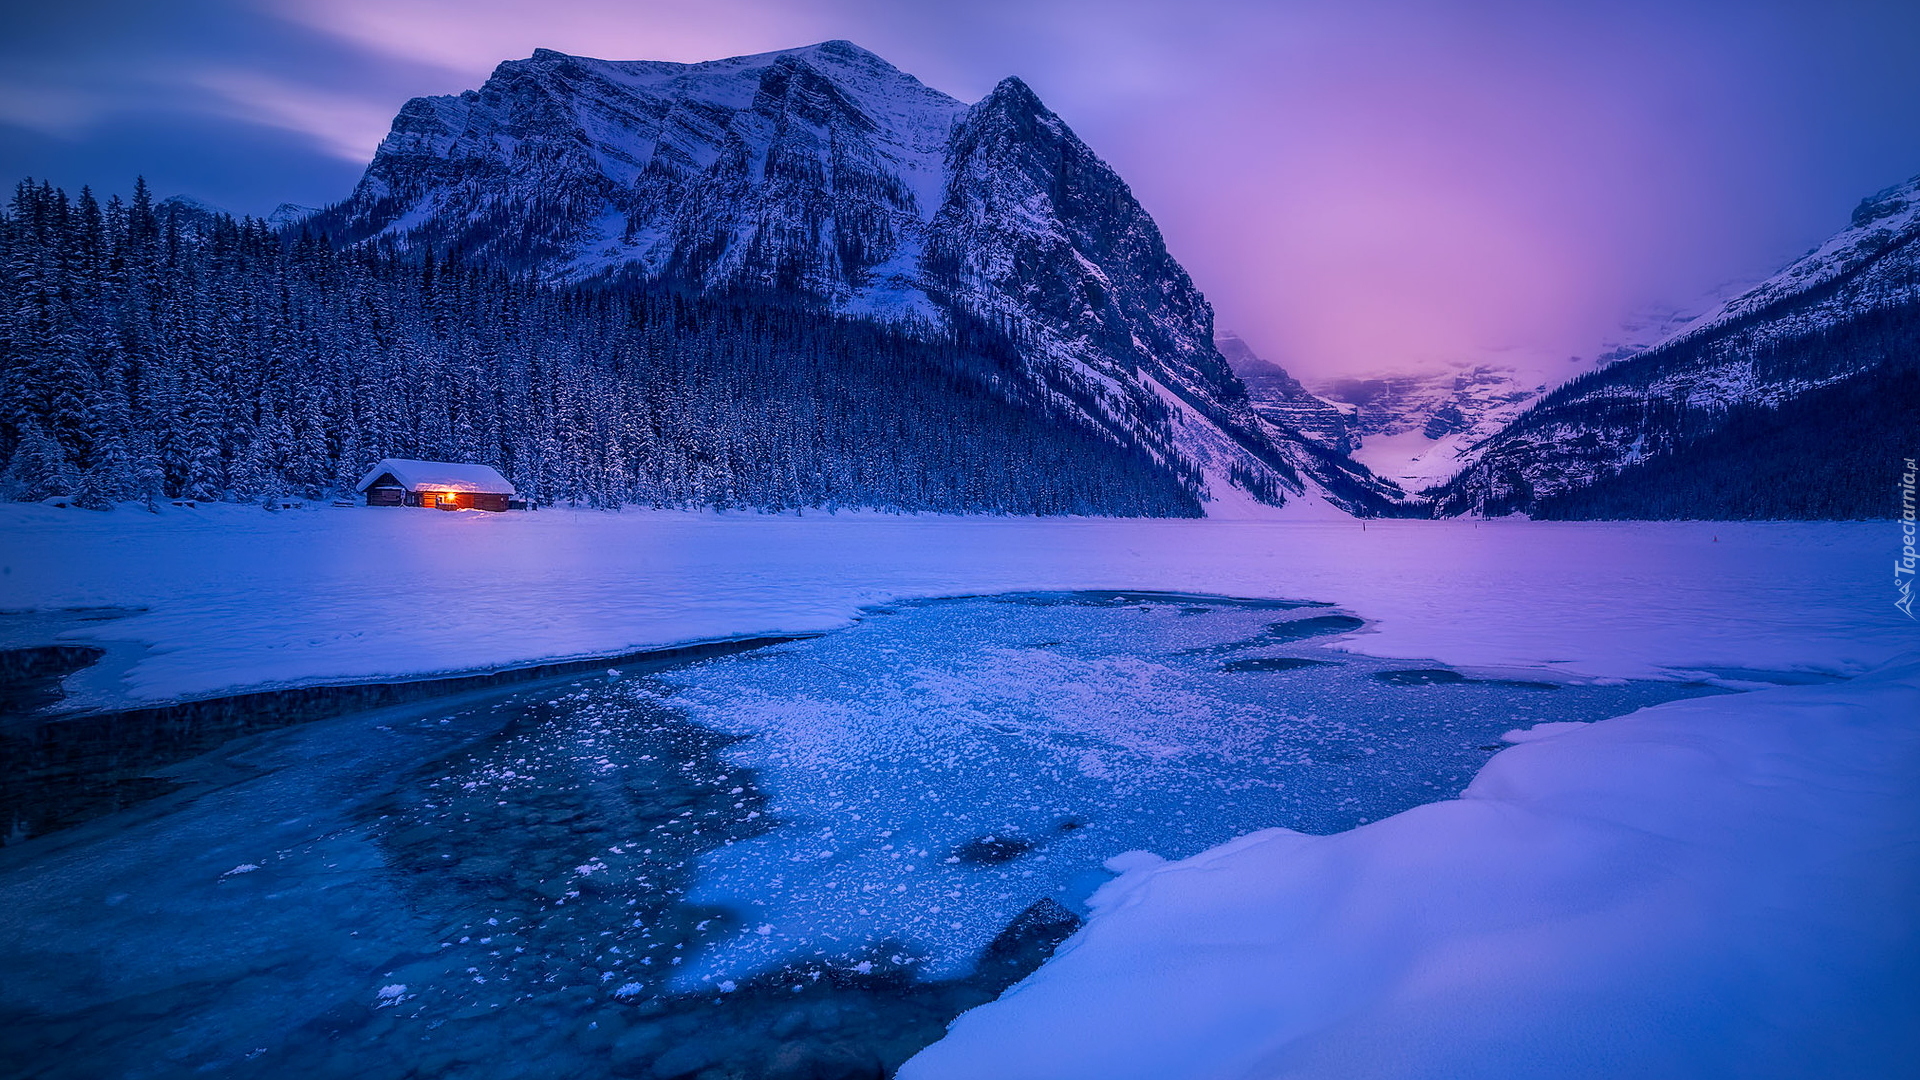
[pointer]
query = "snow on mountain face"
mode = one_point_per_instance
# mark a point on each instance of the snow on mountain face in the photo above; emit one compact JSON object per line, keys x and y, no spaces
{"x":1279,"y":397}
{"x":1870,"y":264}
{"x":1844,"y":315}
{"x":190,"y":214}
{"x":813,"y":169}
{"x":826,"y":173}
{"x":1418,"y":430}
{"x":288,"y":214}
{"x":1036,"y":231}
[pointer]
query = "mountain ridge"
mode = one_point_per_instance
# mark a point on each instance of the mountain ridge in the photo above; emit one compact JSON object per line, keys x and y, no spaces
{"x":826,"y":175}
{"x":1830,"y":342}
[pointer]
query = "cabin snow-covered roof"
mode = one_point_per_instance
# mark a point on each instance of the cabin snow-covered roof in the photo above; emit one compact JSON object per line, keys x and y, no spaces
{"x":439,"y":476}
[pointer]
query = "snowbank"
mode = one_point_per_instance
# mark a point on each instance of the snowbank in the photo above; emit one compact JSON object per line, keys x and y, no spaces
{"x":238,"y":597}
{"x":1716,"y":887}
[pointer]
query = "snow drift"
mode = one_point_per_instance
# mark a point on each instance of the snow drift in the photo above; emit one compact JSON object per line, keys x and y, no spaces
{"x":1715,"y":887}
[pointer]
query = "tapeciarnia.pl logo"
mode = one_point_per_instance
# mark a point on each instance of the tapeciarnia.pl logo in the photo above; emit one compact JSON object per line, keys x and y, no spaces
{"x":1903,"y":567}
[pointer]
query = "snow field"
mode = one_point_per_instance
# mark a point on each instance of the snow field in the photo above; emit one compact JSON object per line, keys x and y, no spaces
{"x":1715,"y":887}
{"x":236,"y":597}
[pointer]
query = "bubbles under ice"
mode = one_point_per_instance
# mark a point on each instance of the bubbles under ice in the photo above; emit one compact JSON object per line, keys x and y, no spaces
{"x":935,"y":770}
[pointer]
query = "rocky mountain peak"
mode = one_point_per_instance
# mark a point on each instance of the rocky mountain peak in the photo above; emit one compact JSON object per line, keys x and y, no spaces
{"x":1895,"y":202}
{"x":826,"y":175}
{"x":1013,"y":96}
{"x":791,"y":87}
{"x":1280,"y":398}
{"x":1866,"y":264}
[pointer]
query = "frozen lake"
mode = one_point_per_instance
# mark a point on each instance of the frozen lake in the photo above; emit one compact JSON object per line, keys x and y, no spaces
{"x":785,"y":862}
{"x":945,"y":764}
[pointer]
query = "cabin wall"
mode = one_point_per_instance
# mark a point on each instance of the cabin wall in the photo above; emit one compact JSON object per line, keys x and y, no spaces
{"x":385,"y":488}
{"x":464,"y":500}
{"x":388,"y":491}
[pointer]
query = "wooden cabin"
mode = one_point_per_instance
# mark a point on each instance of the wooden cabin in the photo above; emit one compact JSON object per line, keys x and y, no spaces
{"x":444,"y":485}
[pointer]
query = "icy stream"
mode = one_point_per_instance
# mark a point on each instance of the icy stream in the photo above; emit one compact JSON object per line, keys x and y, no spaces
{"x":789,"y":862}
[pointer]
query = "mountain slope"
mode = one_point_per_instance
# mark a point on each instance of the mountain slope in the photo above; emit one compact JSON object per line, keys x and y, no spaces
{"x":827,"y":177}
{"x":210,"y":359}
{"x":1419,"y":430}
{"x":1281,"y":398}
{"x":1818,"y":357}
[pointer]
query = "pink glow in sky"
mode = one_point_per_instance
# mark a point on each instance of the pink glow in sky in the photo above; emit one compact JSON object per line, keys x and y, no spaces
{"x":1358,"y":186}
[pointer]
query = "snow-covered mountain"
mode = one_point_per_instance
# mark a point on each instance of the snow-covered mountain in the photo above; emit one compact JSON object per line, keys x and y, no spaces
{"x":1777,"y":404}
{"x":1419,"y":429}
{"x":288,"y":214}
{"x":825,"y":174}
{"x":1869,"y":265}
{"x":1281,"y":398}
{"x":190,"y":214}
{"x":1652,"y":324}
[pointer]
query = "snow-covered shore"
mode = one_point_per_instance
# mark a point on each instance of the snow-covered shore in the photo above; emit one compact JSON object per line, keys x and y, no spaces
{"x":236,"y":597}
{"x":1716,"y":887}
{"x":1721,"y":887}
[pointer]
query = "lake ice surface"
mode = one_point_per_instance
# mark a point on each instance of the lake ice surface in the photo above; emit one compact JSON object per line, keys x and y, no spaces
{"x":572,"y":876}
{"x":942,"y":765}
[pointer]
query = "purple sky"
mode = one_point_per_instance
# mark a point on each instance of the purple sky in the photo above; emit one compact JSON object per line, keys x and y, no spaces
{"x":1359,"y":185}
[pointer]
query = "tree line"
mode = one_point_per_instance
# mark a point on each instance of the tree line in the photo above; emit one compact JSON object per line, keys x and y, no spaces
{"x":152,"y":352}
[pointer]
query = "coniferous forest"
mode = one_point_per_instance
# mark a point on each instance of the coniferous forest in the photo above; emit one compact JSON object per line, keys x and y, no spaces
{"x":151,"y":353}
{"x":1834,"y":453}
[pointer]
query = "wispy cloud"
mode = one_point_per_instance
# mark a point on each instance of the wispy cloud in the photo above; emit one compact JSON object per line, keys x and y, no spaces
{"x":346,"y":125}
{"x":60,"y":111}
{"x":469,"y":36}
